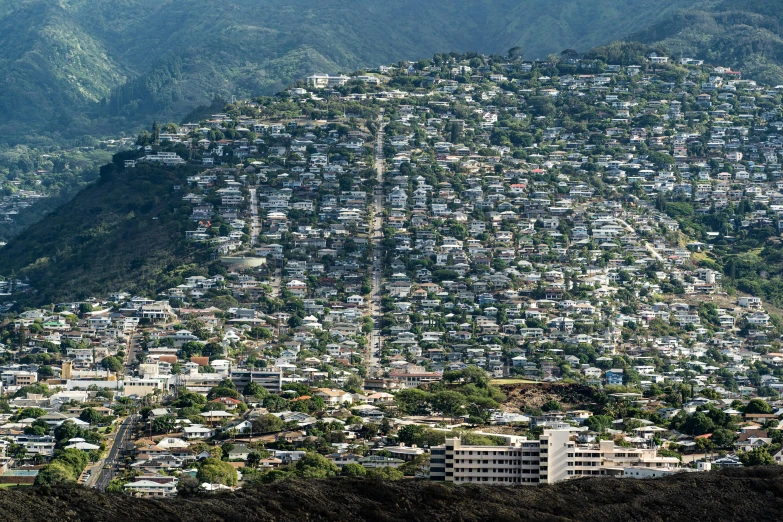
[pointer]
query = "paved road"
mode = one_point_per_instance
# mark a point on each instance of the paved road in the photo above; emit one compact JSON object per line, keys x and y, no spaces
{"x":122,"y":437}
{"x":134,"y":344}
{"x":276,"y":278}
{"x":254,"y":224}
{"x":376,"y":235}
{"x":648,"y":246}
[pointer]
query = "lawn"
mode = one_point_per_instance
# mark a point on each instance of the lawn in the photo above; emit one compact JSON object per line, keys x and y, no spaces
{"x":499,"y":382}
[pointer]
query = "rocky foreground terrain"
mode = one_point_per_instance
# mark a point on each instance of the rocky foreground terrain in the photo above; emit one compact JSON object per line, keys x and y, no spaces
{"x":745,"y":494}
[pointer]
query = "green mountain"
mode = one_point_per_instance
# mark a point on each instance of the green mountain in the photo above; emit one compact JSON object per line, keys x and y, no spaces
{"x":123,"y":231}
{"x":71,"y":67}
{"x":50,"y":69}
{"x":744,"y":34}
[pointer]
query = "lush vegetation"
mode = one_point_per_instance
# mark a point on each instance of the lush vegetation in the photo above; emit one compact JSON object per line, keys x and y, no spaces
{"x":87,"y":67}
{"x":743,"y":34}
{"x":76,"y":70}
{"x":125,"y":231}
{"x":748,"y":251}
{"x":45,"y":177}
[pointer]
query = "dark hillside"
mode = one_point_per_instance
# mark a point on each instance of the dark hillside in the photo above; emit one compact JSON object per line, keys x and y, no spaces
{"x":750,"y":494}
{"x":120,"y":233}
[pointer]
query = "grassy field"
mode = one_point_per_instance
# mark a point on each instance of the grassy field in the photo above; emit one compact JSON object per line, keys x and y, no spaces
{"x":498,"y":382}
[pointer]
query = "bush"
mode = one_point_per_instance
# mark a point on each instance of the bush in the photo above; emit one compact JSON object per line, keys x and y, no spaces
{"x":64,"y":468}
{"x":386,"y":473}
{"x":354,"y":470}
{"x":187,"y":486}
{"x":215,"y":471}
{"x":313,"y":465}
{"x":54,"y":474}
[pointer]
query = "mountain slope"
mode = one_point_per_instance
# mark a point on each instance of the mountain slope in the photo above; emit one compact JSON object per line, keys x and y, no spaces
{"x":121,"y":232}
{"x":59,"y":60}
{"x":737,"y":494}
{"x":49,"y":66}
{"x":743,"y":34}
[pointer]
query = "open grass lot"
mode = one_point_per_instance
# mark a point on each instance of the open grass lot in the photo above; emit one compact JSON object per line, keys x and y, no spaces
{"x":500,"y":382}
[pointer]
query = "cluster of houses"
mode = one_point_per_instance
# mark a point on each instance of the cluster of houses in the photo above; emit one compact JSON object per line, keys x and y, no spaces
{"x":515,"y":236}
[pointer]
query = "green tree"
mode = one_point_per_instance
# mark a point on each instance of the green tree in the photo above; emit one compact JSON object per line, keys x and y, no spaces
{"x":599,"y":423}
{"x":723,"y":438}
{"x":45,"y":372}
{"x":39,"y":388}
{"x":212,"y":350}
{"x":253,"y":389}
{"x":353,"y":383}
{"x":698,"y":424}
{"x":275,"y":403}
{"x":188,"y":399}
{"x":191,"y":349}
{"x":74,"y":459}
{"x":215,"y":471}
{"x":115,"y":486}
{"x":413,"y":401}
{"x":757,"y":457}
{"x":253,"y":459}
{"x":449,"y":403}
{"x":757,"y":406}
{"x":470,"y":375}
{"x":260,"y":333}
{"x":224,"y":389}
{"x":226,"y":447}
{"x":164,"y":424}
{"x":54,"y":474}
{"x":410,"y":433}
{"x":353,"y":470}
{"x":188,"y":486}
{"x":516,"y":53}
{"x":66,"y":431}
{"x":29,"y":413}
{"x":385,"y":473}
{"x":313,"y":465}
{"x":90,"y":416}
{"x":224,"y":302}
{"x":298,"y":387}
{"x":112,"y":363}
{"x":268,"y":424}
{"x":38,"y":427}
{"x":17,"y":451}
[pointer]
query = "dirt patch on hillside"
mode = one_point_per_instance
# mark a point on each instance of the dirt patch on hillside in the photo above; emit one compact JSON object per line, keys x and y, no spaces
{"x":570,"y":396}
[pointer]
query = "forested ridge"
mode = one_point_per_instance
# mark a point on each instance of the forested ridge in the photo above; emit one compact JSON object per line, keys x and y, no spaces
{"x":91,"y":67}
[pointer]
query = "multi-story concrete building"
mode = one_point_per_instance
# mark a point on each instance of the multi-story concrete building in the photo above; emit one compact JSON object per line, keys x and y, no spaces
{"x":271,"y":381}
{"x":552,"y":458}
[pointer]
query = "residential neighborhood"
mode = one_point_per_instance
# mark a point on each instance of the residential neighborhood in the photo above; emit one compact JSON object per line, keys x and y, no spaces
{"x":455,"y":269}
